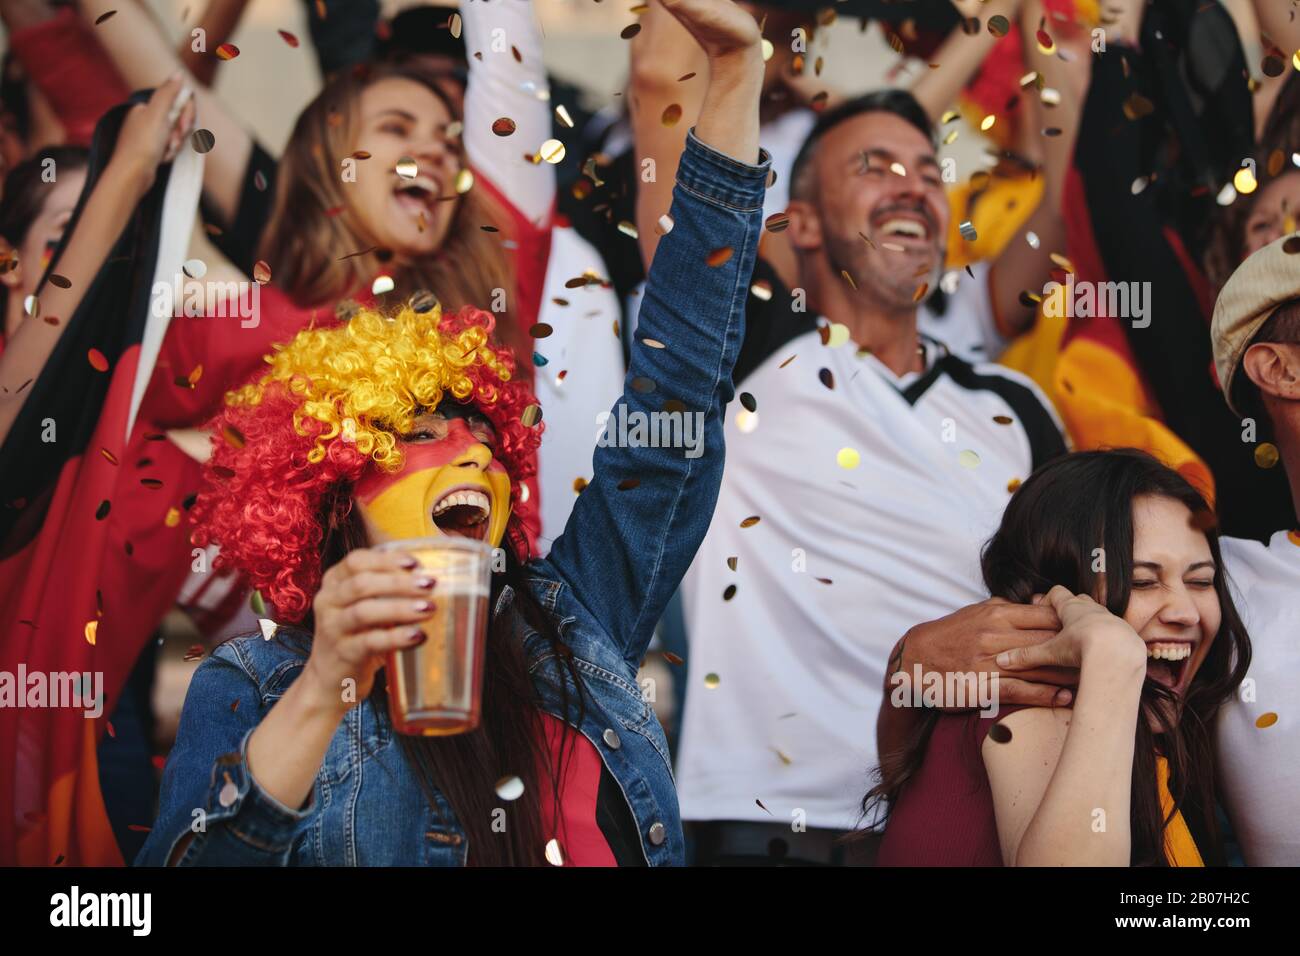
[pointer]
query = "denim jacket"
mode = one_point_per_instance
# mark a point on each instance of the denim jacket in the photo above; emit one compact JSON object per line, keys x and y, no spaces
{"x":605,"y":583}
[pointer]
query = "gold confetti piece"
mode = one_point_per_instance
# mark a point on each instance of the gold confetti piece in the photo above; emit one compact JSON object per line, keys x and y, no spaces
{"x":382,"y":285}
{"x":464,"y":181}
{"x":761,"y":290}
{"x":784,"y":759}
{"x":968,"y":232}
{"x":563,"y":116}
{"x":1244,"y":181}
{"x":920,"y":292}
{"x":763,"y":808}
{"x":844,"y":273}
{"x":1029,"y":79}
{"x":227,"y":51}
{"x":261,"y":272}
{"x":102,"y":511}
{"x":454,"y":25}
{"x":999,"y":25}
{"x":202,"y":140}
{"x":407,"y":168}
{"x":968,"y":459}
{"x":827,"y":377}
{"x":1000,"y":734}
{"x":987,"y":122}
{"x":233,"y":436}
{"x":509,"y":787}
{"x":1012,"y":485}
{"x":837,"y":334}
{"x":629,"y":31}
{"x":32,"y":306}
{"x":92,"y":630}
{"x":196,"y":373}
{"x":552,"y":151}
{"x":108,"y":456}
{"x":711,"y":681}
{"x":1266,"y":455}
{"x":788,"y":361}
{"x":1051,"y":96}
{"x":60,"y":282}
{"x":898,"y":169}
{"x":718,"y":256}
{"x":948,"y":117}
{"x":686,"y":76}
{"x":1003,"y":419}
{"x":671,"y":114}
{"x":578,"y":484}
{"x":531,"y":415}
{"x":750,"y":521}
{"x":848,"y":458}
{"x":733,"y":561}
{"x":288,"y":38}
{"x":540,"y":330}
{"x":654,"y":343}
{"x":1137,"y":106}
{"x":503,"y":126}
{"x":777,"y":222}
{"x":951,"y":137}
{"x":672,"y":658}
{"x":1061,"y":261}
{"x":768,"y":49}
{"x":1295,"y":59}
{"x":1264,"y":720}
{"x":1291,"y":245}
{"x":268,"y":628}
{"x":102,"y":17}
{"x":554,"y":856}
{"x":729,"y":592}
{"x":97,"y":360}
{"x":627,"y":229}
{"x":746,"y":421}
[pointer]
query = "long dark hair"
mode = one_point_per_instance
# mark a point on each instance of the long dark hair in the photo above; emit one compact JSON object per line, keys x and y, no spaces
{"x":25,"y":193}
{"x":1048,"y":534}
{"x":465,"y":768}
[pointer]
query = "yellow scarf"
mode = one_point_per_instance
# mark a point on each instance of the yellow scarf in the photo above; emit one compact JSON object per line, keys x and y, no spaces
{"x":1180,"y":848}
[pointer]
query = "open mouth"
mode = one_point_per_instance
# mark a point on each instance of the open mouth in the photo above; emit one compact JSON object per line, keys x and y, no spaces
{"x":1167,"y":662}
{"x":463,"y":512}
{"x":903,"y":227}
{"x":418,"y":195}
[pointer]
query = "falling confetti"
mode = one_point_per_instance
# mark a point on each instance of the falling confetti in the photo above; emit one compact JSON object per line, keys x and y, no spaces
{"x":540,"y":330}
{"x":92,"y":630}
{"x":1000,"y":734}
{"x":552,"y":151}
{"x":261,"y":272}
{"x":968,"y":459}
{"x":827,"y":377}
{"x":848,"y":458}
{"x":1012,"y":485}
{"x":509,"y":787}
{"x":268,"y":628}
{"x":97,"y":360}
{"x":503,"y":126}
{"x":987,"y":122}
{"x":288,"y":38}
{"x":227,"y":51}
{"x":729,"y":593}
{"x":671,"y":114}
{"x":968,"y":232}
{"x":531,"y":415}
{"x":60,"y":282}
{"x":382,"y":285}
{"x":777,"y":222}
{"x":711,"y":681}
{"x":202,"y":140}
{"x":733,"y":561}
{"x":718,"y":256}
{"x":1244,"y":181}
{"x":553,"y":854}
{"x":750,"y":521}
{"x":664,"y":225}
{"x":629,"y":31}
{"x":999,"y":25}
{"x":1266,"y":720}
{"x":105,"y":16}
{"x":454,"y":25}
{"x":1266,"y":455}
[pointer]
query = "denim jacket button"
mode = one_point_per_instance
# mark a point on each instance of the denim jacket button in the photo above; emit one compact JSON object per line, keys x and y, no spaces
{"x":611,"y":739}
{"x":657,"y":833}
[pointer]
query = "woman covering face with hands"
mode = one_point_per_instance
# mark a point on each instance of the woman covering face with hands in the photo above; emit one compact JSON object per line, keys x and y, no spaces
{"x":1123,"y":552}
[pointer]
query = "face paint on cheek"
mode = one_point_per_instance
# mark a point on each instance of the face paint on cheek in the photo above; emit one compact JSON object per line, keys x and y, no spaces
{"x":399,"y":505}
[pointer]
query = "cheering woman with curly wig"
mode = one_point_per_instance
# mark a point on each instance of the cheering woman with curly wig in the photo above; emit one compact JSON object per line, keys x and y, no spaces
{"x":352,"y":438}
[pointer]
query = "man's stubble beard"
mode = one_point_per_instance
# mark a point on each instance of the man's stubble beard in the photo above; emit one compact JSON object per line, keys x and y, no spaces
{"x":894,"y":288}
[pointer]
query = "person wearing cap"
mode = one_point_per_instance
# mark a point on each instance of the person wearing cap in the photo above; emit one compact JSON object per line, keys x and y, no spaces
{"x":1255,"y":334}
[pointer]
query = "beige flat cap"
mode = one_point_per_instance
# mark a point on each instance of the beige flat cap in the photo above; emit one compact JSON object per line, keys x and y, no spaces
{"x":1268,"y":278}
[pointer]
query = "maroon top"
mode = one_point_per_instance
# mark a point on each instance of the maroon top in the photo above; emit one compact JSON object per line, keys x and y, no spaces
{"x":944,"y":816}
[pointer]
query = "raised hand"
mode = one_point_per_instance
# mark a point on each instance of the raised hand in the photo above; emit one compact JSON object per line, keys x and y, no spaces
{"x":720,"y":27}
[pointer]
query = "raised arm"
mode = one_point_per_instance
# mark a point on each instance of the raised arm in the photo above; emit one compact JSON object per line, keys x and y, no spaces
{"x":1059,"y":769}
{"x":147,"y":138}
{"x":662,"y":54}
{"x":502,"y":86}
{"x":960,"y":56}
{"x":144,"y":58}
{"x":637,"y":525}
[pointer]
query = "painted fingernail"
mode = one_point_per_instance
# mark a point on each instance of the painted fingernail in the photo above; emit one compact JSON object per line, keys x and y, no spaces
{"x":1062,"y":698}
{"x":416,"y":637}
{"x":410,"y":563}
{"x":424,"y":583}
{"x":422,"y":606}
{"x":1004,"y":659}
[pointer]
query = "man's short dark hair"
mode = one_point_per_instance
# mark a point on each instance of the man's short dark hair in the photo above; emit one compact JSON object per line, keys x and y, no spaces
{"x":899,"y":102}
{"x":1282,"y":328}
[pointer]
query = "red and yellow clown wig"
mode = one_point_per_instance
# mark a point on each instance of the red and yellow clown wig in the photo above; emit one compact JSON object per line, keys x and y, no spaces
{"x":330,"y":408}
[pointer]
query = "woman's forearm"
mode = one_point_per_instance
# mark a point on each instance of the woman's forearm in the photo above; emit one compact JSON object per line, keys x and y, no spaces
{"x":145,"y":59}
{"x":1083,"y":818}
{"x":109,"y":207}
{"x":286,"y":750}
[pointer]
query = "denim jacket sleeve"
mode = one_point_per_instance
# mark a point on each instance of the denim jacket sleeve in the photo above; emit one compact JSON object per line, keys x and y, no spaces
{"x":635,"y":528}
{"x":207,"y":790}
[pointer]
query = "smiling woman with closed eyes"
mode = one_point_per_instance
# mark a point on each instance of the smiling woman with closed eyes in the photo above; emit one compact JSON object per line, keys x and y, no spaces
{"x":1123,"y":549}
